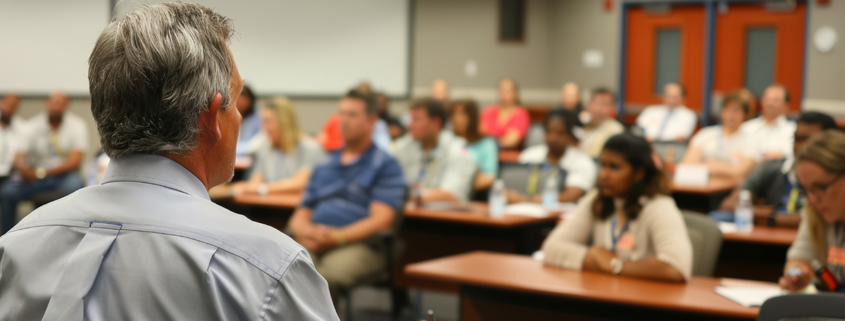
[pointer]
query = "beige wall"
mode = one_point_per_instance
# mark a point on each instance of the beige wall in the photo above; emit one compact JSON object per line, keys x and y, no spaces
{"x":584,"y":25}
{"x":447,"y":33}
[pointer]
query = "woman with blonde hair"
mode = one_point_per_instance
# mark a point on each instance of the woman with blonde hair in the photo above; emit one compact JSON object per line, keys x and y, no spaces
{"x":820,"y":245}
{"x":284,"y":161}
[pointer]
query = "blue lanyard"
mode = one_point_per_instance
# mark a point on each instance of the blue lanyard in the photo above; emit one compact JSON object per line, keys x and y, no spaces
{"x":424,"y":169}
{"x":613,"y":234}
{"x":665,"y":122}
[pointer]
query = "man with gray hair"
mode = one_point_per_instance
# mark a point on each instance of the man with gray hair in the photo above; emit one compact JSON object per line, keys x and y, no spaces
{"x":147,"y":244}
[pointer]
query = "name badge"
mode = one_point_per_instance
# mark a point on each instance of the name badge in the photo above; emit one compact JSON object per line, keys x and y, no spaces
{"x":626,"y":242}
{"x":835,"y":255}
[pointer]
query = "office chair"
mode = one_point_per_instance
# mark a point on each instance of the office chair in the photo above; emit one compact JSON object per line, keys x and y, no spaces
{"x":804,"y":307}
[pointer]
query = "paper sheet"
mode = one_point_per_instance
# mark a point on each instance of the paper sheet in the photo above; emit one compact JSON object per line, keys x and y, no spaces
{"x":749,"y":296}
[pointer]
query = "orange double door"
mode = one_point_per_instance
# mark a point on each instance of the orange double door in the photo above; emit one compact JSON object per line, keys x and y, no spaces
{"x":743,"y":45}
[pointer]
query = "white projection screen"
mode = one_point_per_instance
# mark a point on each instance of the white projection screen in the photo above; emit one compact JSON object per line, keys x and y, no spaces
{"x":317,"y":48}
{"x":314,"y":48}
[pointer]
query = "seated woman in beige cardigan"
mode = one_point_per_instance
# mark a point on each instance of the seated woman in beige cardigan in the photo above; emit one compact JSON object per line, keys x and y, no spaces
{"x":635,"y":228}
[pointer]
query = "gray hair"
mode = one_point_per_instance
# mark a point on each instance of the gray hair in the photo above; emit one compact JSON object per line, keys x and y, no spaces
{"x":152,"y":73}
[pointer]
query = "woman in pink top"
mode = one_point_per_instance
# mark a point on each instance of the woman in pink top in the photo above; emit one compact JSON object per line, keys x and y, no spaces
{"x":507,"y":121}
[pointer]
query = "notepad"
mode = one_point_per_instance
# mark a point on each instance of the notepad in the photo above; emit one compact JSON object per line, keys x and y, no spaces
{"x":749,"y":296}
{"x":527,"y":209}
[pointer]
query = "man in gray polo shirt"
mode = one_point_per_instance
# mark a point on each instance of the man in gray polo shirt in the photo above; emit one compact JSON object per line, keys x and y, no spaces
{"x":435,"y":161}
{"x":147,"y":244}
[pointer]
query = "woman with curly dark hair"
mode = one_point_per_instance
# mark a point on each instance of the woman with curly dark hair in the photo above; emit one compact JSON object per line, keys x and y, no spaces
{"x":635,"y":227}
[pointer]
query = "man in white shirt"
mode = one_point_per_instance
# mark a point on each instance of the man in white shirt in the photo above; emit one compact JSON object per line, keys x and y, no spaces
{"x":11,"y":131}
{"x":671,"y":121}
{"x":147,"y":243}
{"x":435,"y":162}
{"x":48,"y":159}
{"x":601,"y":124}
{"x":559,"y":152}
{"x":772,"y":132}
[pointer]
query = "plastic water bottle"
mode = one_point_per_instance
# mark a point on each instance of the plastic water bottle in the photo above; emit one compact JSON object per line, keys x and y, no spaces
{"x":744,"y":214}
{"x":497,"y":199}
{"x":550,"y":194}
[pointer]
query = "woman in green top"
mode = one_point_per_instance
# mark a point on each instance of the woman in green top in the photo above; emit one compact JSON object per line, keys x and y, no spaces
{"x":484,"y":150}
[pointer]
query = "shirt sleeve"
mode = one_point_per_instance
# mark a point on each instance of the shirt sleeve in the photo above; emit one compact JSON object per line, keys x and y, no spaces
{"x":260,"y":165}
{"x":698,"y":139}
{"x":487,"y":120}
{"x":301,"y":294}
{"x":669,"y":235}
{"x":582,"y":175}
{"x":520,"y":122}
{"x":458,"y":176}
{"x":802,"y":248}
{"x":688,"y":125}
{"x":309,"y":196}
{"x":489,"y":158}
{"x":314,"y":155}
{"x":566,"y":246}
{"x":390,"y":185}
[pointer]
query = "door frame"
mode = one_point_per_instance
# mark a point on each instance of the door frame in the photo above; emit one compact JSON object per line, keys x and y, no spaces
{"x":709,"y":42}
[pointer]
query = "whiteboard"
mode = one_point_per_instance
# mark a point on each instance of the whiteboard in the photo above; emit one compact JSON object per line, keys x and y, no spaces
{"x":45,"y":44}
{"x":317,"y":47}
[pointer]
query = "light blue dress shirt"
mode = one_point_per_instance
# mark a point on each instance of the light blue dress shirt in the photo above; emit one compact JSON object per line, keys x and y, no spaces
{"x":147,"y":244}
{"x":381,"y":135}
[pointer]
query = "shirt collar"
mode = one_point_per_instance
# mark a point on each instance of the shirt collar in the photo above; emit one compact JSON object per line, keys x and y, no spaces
{"x":365,"y":155}
{"x":157,"y":170}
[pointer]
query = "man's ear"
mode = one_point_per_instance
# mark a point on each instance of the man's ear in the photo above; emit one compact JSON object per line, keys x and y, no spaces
{"x":209,"y":127}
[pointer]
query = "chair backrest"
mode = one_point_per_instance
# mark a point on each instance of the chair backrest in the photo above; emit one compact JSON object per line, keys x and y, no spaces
{"x":516,"y":177}
{"x":678,"y":149}
{"x":809,"y":307}
{"x":706,"y":239}
{"x":536,"y":135}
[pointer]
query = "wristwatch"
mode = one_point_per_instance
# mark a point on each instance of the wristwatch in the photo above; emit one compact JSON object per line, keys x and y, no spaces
{"x":40,"y":173}
{"x":616,"y":265}
{"x":262,"y":189}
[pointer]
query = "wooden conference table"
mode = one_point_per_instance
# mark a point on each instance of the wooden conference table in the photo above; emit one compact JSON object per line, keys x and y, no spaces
{"x":428,"y":234}
{"x":757,"y":255}
{"x":273,"y":210}
{"x":704,"y":198}
{"x":497,"y":286}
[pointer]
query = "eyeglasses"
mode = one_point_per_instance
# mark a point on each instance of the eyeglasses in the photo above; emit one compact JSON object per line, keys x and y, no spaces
{"x":819,"y":190}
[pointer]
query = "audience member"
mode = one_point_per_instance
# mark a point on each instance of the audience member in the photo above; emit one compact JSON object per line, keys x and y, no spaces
{"x":558,"y":153}
{"x":601,"y":124}
{"x":394,"y":126}
{"x":633,"y":226}
{"x":285,"y":161}
{"x":147,"y":243}
{"x":49,"y":159}
{"x":483,"y":150}
{"x":772,"y":131}
{"x":12,"y":131}
{"x":820,"y":166}
{"x":775,"y":190}
{"x":725,"y":149}
{"x":440,"y":91}
{"x":506,"y":121}
{"x":671,"y":121}
{"x":331,"y":138}
{"x":251,"y":124}
{"x":350,"y":198}
{"x":434,"y":160}
{"x":570,"y":98}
